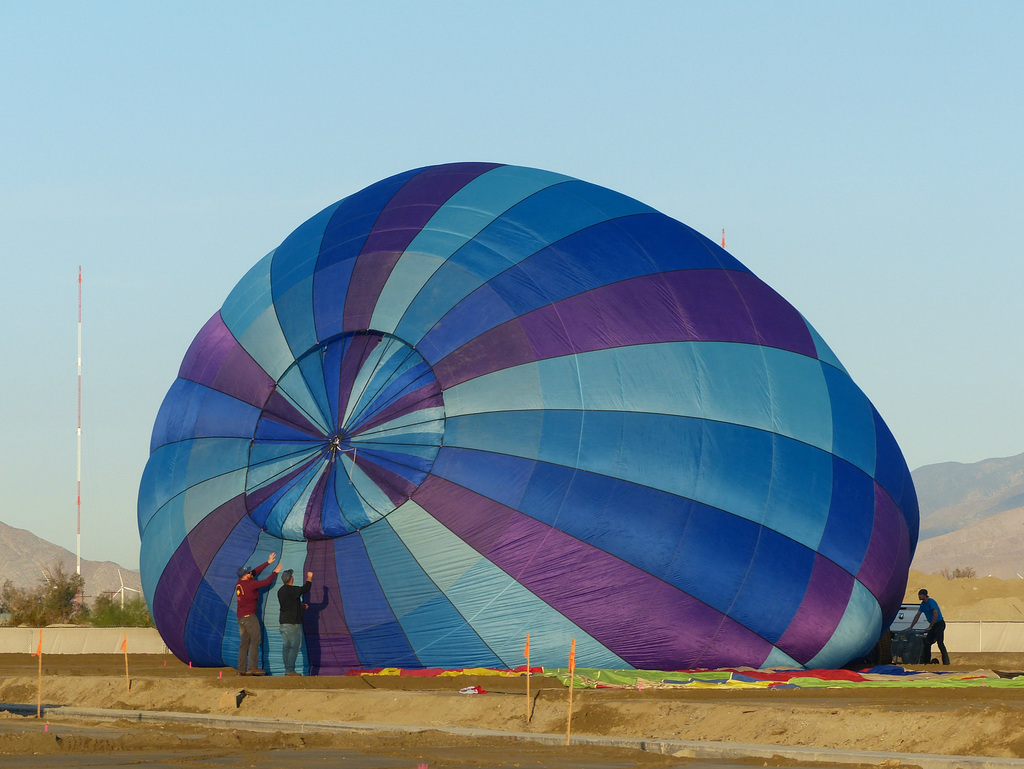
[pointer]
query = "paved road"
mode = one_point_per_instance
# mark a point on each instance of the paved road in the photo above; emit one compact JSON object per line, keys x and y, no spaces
{"x":86,"y":737}
{"x":93,"y":736}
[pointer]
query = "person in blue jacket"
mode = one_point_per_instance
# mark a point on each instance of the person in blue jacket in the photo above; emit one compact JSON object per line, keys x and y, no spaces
{"x":936,"y":625}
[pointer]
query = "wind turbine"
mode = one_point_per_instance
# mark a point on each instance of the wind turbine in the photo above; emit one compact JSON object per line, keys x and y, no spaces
{"x":123,"y":588}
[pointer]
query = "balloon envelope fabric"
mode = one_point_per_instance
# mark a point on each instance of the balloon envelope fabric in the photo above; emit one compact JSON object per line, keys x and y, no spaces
{"x":479,"y":401}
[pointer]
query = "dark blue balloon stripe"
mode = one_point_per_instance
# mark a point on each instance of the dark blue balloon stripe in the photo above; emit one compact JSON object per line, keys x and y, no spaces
{"x":192,"y":410}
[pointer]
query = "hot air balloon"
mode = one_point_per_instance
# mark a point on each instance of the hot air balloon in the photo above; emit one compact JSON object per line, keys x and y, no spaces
{"x":479,"y":401}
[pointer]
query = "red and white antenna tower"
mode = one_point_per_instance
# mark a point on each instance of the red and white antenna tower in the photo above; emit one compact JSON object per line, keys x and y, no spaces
{"x":78,"y":543}
{"x":723,"y":238}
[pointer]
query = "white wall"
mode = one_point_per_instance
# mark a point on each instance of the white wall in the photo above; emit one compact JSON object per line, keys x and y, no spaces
{"x":985,"y":636}
{"x":960,"y":637}
{"x":81,"y":640}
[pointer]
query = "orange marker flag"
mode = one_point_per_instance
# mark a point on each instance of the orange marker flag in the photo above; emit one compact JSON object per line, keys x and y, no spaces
{"x":572,"y":656}
{"x":39,"y":649}
{"x":526,"y":651}
{"x":124,"y":643}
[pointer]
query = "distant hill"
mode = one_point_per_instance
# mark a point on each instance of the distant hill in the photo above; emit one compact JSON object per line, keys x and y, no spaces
{"x":993,"y":546}
{"x":23,"y":556}
{"x":953,"y":496}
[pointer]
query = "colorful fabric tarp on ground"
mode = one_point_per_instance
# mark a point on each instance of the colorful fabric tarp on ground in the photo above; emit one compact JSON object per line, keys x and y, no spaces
{"x":479,"y":401}
{"x":782,"y":679}
{"x":887,"y":676}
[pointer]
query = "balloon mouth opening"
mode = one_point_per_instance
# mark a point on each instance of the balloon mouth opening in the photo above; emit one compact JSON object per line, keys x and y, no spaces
{"x":349,"y":433}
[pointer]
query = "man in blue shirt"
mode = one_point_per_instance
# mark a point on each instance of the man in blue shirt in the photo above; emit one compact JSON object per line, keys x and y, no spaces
{"x":936,"y":624}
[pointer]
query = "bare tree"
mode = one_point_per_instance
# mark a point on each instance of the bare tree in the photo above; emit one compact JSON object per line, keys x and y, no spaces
{"x":960,"y":572}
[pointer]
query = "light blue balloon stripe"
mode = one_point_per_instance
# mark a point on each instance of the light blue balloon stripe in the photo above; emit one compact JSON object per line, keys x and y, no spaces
{"x":758,"y":387}
{"x":853,"y":421}
{"x":411,"y":377}
{"x":164,"y":532}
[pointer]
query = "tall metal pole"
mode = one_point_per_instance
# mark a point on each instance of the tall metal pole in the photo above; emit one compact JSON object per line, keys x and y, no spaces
{"x":78,"y":544}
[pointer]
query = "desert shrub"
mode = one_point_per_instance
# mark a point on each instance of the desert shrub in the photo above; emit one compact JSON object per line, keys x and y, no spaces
{"x":960,"y":572}
{"x":108,"y":612}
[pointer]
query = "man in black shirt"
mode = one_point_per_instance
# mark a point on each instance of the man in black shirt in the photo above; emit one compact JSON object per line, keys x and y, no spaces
{"x":290,"y":597}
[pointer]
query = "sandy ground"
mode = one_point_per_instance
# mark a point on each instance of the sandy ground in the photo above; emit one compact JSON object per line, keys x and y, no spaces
{"x":977,"y":721}
{"x":971,"y":600}
{"x":970,"y":722}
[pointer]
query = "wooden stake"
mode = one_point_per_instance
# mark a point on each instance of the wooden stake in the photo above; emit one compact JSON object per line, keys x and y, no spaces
{"x":527,"y":653}
{"x":572,"y":676}
{"x":124,"y":648}
{"x":39,"y":690}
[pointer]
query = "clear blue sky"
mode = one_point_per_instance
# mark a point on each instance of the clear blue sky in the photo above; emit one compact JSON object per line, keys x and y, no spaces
{"x":866,"y":160}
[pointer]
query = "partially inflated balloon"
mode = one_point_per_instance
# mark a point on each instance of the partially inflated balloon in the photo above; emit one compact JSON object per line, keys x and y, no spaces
{"x":479,"y":401}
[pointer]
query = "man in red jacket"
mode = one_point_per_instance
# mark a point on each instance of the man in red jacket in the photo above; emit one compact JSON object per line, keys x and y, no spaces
{"x":247,"y":592}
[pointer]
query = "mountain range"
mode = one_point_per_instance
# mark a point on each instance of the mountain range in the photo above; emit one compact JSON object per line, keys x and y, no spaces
{"x":972,"y":517}
{"x":954,"y":495}
{"x":24,"y":557}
